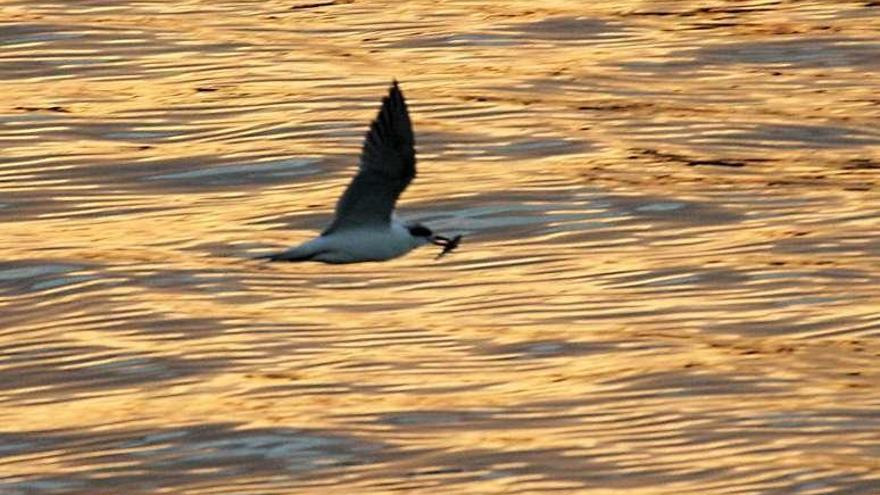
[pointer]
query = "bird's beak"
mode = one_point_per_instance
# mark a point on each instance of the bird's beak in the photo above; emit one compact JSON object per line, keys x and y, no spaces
{"x":439,"y":240}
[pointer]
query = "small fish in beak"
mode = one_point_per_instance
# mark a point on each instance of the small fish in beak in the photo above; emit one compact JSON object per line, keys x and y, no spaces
{"x":448,"y":244}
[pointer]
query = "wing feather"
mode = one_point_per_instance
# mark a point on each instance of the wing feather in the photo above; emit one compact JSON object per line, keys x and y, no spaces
{"x":387,"y":166}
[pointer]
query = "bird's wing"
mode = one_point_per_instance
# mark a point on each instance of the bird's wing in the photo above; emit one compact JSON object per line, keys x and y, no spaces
{"x":387,"y":166}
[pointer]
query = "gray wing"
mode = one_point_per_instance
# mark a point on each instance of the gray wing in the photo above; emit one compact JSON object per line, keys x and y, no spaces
{"x":387,"y":166}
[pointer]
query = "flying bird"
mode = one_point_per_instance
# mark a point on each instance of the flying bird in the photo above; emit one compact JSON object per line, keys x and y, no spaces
{"x":365,"y":227}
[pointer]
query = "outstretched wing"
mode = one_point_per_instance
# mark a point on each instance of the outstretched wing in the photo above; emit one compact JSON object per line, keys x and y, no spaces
{"x":387,"y":166}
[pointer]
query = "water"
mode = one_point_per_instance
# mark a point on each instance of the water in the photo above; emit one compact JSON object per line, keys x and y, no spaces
{"x":668,"y":283}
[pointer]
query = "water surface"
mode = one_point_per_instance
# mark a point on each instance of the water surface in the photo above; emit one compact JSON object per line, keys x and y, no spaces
{"x":668,"y":284}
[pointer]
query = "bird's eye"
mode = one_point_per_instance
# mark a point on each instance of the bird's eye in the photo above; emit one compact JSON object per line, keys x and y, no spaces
{"x":420,"y":231}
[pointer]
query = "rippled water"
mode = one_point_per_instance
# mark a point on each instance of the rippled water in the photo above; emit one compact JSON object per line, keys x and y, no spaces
{"x":670,"y":280}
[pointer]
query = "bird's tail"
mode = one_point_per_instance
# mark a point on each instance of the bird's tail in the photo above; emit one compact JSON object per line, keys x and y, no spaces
{"x":285,"y":256}
{"x":268,"y":257}
{"x":304,"y":252}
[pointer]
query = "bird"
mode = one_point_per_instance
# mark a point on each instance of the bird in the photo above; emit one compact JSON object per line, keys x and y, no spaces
{"x":365,"y":227}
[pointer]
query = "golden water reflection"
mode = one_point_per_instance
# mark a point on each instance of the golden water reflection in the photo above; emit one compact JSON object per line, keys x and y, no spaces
{"x":668,"y":283}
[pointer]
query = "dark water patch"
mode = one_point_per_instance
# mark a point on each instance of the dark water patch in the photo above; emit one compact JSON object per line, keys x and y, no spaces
{"x":239,"y":175}
{"x":798,"y":53}
{"x":56,"y":374}
{"x":796,"y":136}
{"x":798,"y":323}
{"x":544,"y":349}
{"x":451,"y":41}
{"x":743,"y":138}
{"x":669,"y":279}
{"x":182,"y":457}
{"x":559,"y":469}
{"x":436,"y":418}
{"x":99,"y":51}
{"x":115,"y":187}
{"x":211,"y":281}
{"x":22,"y":277}
{"x":565,"y":29}
{"x":35,"y":33}
{"x":451,"y":146}
{"x":830,"y":247}
{"x":673,"y":210}
{"x":702,"y":384}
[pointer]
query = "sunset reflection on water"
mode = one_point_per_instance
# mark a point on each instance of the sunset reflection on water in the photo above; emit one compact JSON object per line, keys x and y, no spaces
{"x":668,"y":282}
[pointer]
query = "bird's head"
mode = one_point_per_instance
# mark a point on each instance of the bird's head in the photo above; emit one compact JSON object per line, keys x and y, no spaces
{"x":423,"y":235}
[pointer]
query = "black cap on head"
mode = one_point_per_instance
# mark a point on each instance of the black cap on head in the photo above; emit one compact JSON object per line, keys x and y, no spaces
{"x":419,"y":231}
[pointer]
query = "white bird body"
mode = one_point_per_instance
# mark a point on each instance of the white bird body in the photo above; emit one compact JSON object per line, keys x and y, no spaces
{"x":364,"y":228}
{"x":356,"y":245}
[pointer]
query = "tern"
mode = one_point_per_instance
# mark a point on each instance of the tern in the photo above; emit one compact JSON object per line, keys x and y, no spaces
{"x":365,"y":227}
